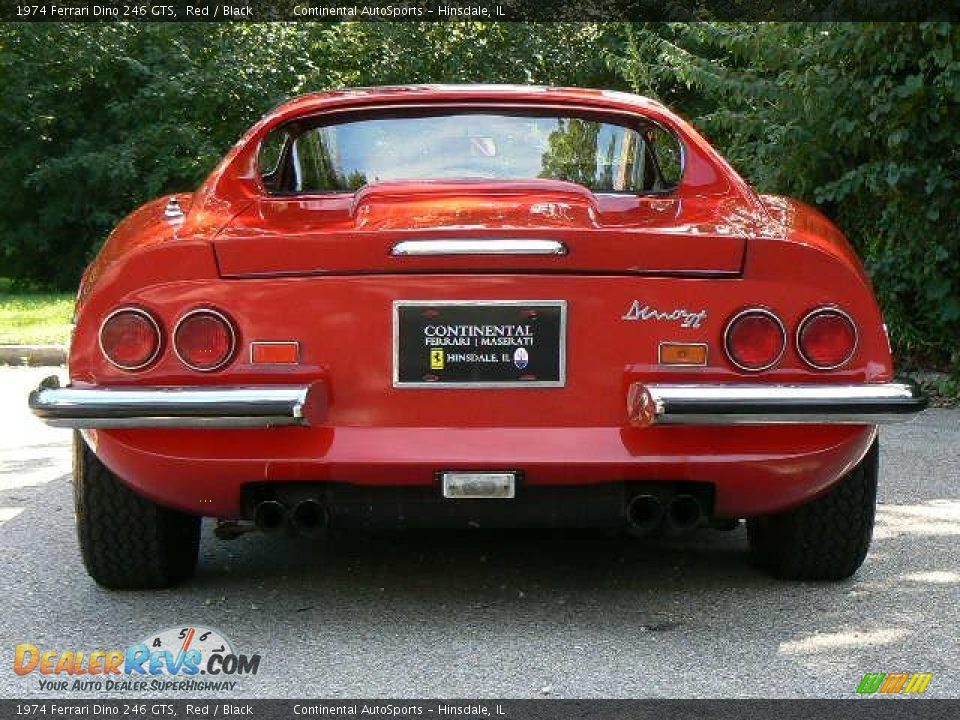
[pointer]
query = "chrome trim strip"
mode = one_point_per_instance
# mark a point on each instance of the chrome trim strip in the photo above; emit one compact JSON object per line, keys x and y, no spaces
{"x":205,"y":311}
{"x":754,"y":311}
{"x":135,"y":311}
{"x":822,"y":311}
{"x":186,"y":407}
{"x":708,"y":404}
{"x":562,"y":304}
{"x":500,"y":246}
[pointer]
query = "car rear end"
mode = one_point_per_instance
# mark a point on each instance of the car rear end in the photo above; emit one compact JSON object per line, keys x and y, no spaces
{"x":485,"y":351}
{"x":628,"y":383}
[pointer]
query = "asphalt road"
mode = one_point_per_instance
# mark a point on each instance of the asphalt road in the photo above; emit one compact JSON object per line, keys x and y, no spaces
{"x":504,"y":614}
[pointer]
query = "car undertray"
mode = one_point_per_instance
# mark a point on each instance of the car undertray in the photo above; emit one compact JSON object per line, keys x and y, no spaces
{"x":645,"y":505}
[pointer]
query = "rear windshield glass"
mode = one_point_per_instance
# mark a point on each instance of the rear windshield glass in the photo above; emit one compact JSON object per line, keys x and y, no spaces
{"x":342,"y":157}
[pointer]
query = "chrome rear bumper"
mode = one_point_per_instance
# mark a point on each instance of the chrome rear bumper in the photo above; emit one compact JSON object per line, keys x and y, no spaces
{"x":647,"y":404}
{"x":704,"y":404}
{"x":194,"y":407}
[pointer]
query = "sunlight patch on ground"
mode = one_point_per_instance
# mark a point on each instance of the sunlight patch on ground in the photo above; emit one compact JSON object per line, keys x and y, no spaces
{"x":9,"y":513}
{"x":847,"y":640}
{"x":31,"y":454}
{"x":933,"y":517}
{"x":940,"y":577}
{"x":33,"y":466}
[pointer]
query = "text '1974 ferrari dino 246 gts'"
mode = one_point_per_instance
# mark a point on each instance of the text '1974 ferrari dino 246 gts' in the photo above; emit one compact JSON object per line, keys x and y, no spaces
{"x":475,"y":305}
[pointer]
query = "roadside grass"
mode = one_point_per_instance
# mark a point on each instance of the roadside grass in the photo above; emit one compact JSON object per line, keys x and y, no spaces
{"x":35,"y":318}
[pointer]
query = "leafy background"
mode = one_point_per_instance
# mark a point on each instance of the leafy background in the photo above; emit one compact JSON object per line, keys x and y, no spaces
{"x":862,"y":120}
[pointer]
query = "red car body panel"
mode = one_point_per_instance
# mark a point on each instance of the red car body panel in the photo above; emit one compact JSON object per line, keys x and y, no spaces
{"x":318,"y":270}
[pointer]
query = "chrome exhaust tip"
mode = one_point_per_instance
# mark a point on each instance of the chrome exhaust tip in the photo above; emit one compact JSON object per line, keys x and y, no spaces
{"x":645,"y":513}
{"x":309,"y":518}
{"x":270,"y":515}
{"x":684,"y":513}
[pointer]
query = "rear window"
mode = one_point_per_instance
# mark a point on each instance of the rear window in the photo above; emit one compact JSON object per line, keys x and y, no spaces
{"x":343,"y":157}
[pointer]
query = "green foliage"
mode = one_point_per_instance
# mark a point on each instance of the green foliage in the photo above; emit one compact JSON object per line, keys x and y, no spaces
{"x":573,"y":153}
{"x":98,"y":118}
{"x":858,"y":119}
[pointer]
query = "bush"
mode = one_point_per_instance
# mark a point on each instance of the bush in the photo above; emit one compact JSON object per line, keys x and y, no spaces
{"x":98,"y":118}
{"x":859,"y":119}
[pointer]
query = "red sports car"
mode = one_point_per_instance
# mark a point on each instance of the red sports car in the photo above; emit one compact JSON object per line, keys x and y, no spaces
{"x":475,"y":305}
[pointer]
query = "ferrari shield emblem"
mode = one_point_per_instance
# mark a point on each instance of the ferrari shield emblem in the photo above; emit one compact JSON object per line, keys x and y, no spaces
{"x":436,"y":359}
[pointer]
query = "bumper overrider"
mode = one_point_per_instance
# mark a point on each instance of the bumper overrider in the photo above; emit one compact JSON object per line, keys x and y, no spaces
{"x":647,"y":404}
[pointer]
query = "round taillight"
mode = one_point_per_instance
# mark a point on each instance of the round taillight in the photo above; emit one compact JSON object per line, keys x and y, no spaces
{"x":755,"y":339}
{"x":130,"y":338}
{"x":204,"y":340}
{"x":826,"y":338}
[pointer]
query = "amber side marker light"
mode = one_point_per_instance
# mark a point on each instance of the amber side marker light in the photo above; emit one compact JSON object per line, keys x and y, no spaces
{"x":826,"y":338}
{"x":683,"y":354}
{"x":274,"y":353}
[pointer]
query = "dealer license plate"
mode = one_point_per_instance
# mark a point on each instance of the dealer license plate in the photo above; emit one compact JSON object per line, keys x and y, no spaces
{"x":499,"y":343}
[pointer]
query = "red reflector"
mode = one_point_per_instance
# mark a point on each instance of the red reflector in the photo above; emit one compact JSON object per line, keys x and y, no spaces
{"x":130,"y":338}
{"x":755,"y":340}
{"x":827,"y":339}
{"x":274,"y":353}
{"x":204,"y":340}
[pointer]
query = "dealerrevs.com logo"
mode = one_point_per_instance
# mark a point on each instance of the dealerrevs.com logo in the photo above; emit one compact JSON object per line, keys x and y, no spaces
{"x":188,"y":659}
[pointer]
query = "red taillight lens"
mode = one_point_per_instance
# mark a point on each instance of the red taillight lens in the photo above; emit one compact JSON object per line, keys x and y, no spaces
{"x":826,"y":339}
{"x":130,"y":338}
{"x":755,"y":339}
{"x":204,"y":340}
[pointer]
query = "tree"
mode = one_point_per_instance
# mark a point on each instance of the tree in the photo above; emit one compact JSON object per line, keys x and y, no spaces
{"x":859,"y":119}
{"x":99,"y":118}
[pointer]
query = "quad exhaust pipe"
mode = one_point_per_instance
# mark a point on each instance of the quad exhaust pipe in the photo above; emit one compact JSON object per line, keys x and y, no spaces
{"x":270,"y":516}
{"x":683,"y":514}
{"x":308,"y":517}
{"x":646,"y":513}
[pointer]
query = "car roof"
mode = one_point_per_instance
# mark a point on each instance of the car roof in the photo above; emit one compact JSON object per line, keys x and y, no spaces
{"x":315,"y":101}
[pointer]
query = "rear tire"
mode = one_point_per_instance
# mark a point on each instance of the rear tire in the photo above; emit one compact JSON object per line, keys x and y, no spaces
{"x":826,"y":539}
{"x":128,"y":542}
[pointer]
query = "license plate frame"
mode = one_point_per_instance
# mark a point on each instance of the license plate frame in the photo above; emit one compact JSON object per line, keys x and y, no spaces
{"x":556,"y":378}
{"x":468,"y":484}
